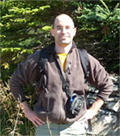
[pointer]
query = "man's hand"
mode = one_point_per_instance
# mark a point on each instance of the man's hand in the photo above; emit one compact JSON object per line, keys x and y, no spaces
{"x":31,"y":115}
{"x":88,"y":115}
{"x":93,"y":110}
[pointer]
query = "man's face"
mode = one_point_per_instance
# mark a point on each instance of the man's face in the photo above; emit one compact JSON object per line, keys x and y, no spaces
{"x":63,"y":30}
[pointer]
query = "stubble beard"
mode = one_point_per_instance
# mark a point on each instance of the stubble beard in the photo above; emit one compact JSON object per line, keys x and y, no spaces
{"x":64,"y":42}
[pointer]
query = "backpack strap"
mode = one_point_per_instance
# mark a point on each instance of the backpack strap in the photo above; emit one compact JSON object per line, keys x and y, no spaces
{"x":43,"y":59}
{"x":85,"y":65}
{"x":65,"y":84}
{"x":84,"y":62}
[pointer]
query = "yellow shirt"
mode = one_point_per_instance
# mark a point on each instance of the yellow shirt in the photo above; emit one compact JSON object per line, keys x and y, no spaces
{"x":63,"y":57}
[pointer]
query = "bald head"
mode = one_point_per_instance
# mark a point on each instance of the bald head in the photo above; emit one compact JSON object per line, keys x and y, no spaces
{"x":63,"y":18}
{"x":63,"y":31}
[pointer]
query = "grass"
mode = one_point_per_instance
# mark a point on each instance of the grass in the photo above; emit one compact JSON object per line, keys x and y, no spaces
{"x":13,"y":122}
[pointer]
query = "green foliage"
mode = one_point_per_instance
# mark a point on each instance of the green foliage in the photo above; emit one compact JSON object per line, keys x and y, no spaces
{"x":25,"y":28}
{"x":10,"y":57}
{"x":98,"y":26}
{"x":15,"y":54}
{"x":99,"y":17}
{"x":22,"y":29}
{"x":21,"y":22}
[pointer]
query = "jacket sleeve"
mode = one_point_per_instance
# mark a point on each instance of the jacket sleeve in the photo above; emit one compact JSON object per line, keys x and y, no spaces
{"x":100,"y":78}
{"x":26,"y":73}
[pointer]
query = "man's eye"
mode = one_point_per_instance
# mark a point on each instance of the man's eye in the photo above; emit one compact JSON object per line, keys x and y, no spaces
{"x":68,"y":28}
{"x":59,"y":28}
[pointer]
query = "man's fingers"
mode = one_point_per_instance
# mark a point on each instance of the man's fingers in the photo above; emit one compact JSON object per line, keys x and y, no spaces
{"x":32,"y":116}
{"x":39,"y":121}
{"x":82,"y":119}
{"x":36,"y":125}
{"x":88,"y":115}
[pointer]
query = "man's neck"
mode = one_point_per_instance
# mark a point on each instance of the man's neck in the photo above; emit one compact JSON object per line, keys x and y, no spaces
{"x":63,"y":49}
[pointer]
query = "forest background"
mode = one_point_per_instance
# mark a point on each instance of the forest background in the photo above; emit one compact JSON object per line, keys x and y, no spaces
{"x":25,"y":28}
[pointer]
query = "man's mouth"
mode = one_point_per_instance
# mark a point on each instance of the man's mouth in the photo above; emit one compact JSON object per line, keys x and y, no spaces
{"x":64,"y":37}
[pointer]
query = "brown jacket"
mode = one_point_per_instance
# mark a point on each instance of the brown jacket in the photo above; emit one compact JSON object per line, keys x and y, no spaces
{"x":27,"y":73}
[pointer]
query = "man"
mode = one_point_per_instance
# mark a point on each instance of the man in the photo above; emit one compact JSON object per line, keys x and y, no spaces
{"x":50,"y":115}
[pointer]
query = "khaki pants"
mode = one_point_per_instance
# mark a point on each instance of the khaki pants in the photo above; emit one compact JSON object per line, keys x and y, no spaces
{"x":70,"y":129}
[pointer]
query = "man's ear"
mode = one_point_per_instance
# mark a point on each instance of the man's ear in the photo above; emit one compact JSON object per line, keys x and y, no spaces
{"x":52,"y":32}
{"x":75,"y":30}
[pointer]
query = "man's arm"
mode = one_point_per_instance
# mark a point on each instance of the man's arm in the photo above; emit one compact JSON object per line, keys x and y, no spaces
{"x":26,"y":73}
{"x":99,"y":78}
{"x":93,"y":110}
{"x":96,"y":105}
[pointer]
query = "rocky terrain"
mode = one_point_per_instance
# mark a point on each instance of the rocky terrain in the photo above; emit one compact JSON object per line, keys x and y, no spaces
{"x":107,"y":121}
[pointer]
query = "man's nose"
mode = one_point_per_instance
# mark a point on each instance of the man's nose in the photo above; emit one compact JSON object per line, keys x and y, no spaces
{"x":64,"y":30}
